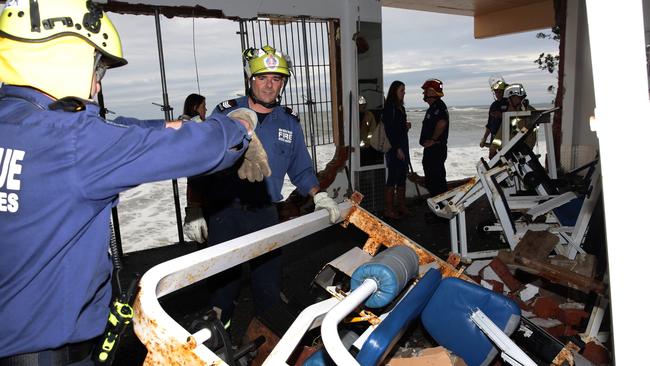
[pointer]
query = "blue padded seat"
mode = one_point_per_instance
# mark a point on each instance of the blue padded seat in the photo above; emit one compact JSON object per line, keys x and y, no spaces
{"x":447,"y":319}
{"x":390,"y":330}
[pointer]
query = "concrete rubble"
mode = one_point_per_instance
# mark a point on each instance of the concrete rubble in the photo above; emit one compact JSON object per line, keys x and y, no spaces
{"x":554,"y":293}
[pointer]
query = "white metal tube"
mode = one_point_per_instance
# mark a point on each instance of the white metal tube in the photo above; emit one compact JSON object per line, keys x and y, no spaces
{"x":329,"y":329}
{"x":308,"y":319}
{"x":453,"y":231}
{"x":182,"y":271}
{"x":510,"y":352}
{"x":202,"y":335}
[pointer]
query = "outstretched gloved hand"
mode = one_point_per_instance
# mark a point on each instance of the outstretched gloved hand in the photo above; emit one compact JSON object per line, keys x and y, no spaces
{"x":245,"y":114}
{"x":195,"y":226}
{"x":255,"y":165}
{"x":322,"y":200}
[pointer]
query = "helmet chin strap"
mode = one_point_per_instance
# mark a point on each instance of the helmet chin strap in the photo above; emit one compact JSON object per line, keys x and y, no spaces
{"x":270,"y":105}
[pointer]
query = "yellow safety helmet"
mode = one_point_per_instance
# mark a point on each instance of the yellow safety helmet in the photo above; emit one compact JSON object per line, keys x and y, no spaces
{"x":499,"y":85}
{"x":51,"y":45}
{"x":266,"y":60}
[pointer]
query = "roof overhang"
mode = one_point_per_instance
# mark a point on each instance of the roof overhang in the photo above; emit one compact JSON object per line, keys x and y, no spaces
{"x":491,"y":17}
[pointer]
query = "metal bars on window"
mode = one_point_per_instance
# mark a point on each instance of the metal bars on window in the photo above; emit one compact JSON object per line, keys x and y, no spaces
{"x":308,"y":92}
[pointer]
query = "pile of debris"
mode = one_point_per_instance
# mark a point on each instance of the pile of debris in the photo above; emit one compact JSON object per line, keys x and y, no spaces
{"x":557,"y":294}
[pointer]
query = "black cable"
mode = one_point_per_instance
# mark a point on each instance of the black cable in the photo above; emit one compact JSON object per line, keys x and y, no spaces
{"x":115,"y":258}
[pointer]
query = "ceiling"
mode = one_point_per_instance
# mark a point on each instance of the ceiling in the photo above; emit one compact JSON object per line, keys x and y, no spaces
{"x":491,"y":17}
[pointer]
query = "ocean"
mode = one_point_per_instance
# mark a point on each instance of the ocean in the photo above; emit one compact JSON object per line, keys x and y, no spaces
{"x":147,"y":216}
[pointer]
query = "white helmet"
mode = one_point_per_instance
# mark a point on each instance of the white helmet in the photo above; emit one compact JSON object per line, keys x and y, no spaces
{"x":362,"y":100}
{"x":514,"y":89}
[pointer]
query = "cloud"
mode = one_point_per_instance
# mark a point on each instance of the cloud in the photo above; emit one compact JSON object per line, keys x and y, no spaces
{"x":420,"y":45}
{"x":416,"y":46}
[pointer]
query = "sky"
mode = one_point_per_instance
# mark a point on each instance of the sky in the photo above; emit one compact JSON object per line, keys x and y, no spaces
{"x":421,"y":45}
{"x":416,"y":46}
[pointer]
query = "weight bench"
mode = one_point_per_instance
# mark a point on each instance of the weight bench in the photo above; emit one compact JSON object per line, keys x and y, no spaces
{"x":507,"y":181}
{"x":446,"y":308}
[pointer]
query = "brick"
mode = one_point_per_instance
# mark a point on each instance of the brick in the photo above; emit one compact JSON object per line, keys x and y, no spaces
{"x":546,"y":307}
{"x":496,"y":286}
{"x":504,"y":274}
{"x":476,"y":279}
{"x":597,"y":354}
{"x":559,"y":331}
{"x":572,"y":316}
{"x":522,"y":305}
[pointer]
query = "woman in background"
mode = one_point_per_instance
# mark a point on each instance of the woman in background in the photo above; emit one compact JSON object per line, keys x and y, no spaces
{"x":194,"y":108}
{"x":397,"y":158}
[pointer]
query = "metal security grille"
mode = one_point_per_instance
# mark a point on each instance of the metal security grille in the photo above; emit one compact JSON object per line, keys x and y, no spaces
{"x":371,"y":184}
{"x":308,"y":92}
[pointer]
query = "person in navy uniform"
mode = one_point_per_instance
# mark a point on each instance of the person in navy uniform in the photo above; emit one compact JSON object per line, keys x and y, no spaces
{"x":62,"y":167}
{"x":433,"y":137}
{"x":236,"y":207}
{"x":515,"y":95}
{"x":495,"y":113}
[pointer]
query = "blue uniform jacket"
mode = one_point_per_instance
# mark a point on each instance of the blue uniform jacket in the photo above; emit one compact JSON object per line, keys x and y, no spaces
{"x":284,"y":142}
{"x":437,"y":111}
{"x":493,"y":123}
{"x":60,"y":174}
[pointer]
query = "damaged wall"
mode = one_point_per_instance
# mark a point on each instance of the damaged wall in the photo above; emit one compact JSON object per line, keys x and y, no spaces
{"x":579,"y":143}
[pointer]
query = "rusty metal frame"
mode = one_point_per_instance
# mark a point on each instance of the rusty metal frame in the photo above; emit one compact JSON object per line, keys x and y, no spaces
{"x":168,"y":343}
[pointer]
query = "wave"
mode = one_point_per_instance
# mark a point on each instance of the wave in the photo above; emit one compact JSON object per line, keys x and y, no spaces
{"x":453,"y":109}
{"x":468,"y":109}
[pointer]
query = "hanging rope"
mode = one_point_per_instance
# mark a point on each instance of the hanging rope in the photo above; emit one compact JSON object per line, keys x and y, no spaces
{"x":196,"y":65}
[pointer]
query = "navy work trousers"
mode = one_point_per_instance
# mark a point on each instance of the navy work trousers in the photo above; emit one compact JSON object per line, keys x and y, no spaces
{"x":266,"y":271}
{"x":435,"y":175}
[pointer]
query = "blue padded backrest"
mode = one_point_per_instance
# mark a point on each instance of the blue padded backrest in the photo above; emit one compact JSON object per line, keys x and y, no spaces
{"x":568,"y":213}
{"x":447,"y":319}
{"x":389,"y":331}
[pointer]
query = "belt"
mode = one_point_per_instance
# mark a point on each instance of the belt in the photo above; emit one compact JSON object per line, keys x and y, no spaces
{"x":252,"y":206}
{"x":64,"y":355}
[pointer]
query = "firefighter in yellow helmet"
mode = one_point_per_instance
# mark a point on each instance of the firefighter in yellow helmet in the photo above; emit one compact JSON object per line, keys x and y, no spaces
{"x":497,"y":107}
{"x":55,"y":46}
{"x":236,"y":207}
{"x":62,"y":167}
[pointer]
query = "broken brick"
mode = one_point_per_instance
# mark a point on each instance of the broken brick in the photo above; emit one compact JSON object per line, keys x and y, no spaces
{"x":522,"y":305}
{"x":546,"y":307}
{"x":476,"y":279}
{"x":496,"y":286}
{"x":559,"y":331}
{"x":572,"y":316}
{"x":504,"y":274}
{"x":596,"y":353}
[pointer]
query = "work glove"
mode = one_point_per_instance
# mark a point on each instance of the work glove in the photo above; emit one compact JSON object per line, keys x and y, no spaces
{"x":322,"y":200}
{"x":246,"y":115}
{"x":195,"y":226}
{"x":255,"y":165}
